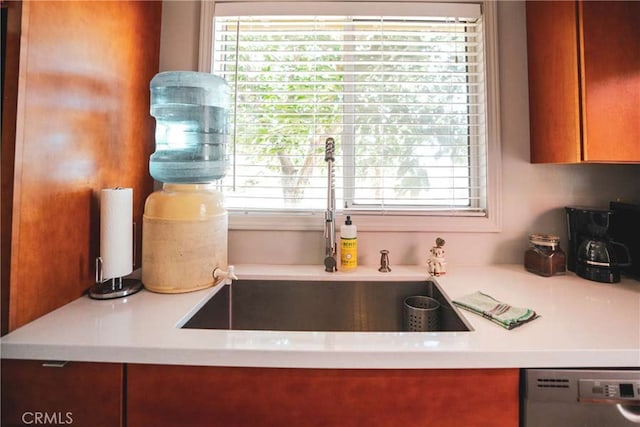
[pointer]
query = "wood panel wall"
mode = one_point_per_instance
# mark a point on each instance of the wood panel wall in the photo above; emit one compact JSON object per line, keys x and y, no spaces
{"x":83,"y":124}
{"x":10,"y":63}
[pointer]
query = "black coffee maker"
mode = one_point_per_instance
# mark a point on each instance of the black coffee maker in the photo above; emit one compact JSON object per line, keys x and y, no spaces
{"x":592,"y":253}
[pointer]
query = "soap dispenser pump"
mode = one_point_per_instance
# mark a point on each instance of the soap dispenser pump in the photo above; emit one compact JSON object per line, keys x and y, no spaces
{"x":348,"y":246}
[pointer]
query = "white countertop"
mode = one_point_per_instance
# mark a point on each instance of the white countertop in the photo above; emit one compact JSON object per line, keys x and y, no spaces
{"x":581,"y":324}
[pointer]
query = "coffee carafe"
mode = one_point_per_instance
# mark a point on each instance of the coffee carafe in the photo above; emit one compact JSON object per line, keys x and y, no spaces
{"x":592,"y":253}
{"x":599,"y":260}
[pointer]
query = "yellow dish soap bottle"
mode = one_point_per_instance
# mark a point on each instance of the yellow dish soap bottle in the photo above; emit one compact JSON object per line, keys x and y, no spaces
{"x":348,"y":246}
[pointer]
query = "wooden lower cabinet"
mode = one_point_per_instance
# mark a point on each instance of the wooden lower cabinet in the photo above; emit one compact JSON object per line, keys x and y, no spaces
{"x":113,"y":395}
{"x":221,"y":396}
{"x":77,"y":394}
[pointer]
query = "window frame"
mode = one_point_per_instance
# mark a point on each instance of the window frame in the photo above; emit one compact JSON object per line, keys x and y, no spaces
{"x":441,"y":221}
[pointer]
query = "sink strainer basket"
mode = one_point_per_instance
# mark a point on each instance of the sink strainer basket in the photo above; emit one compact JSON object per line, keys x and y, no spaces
{"x":421,"y":314}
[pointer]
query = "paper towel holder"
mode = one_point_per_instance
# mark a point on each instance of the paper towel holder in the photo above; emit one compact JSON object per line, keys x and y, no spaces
{"x":116,"y":287}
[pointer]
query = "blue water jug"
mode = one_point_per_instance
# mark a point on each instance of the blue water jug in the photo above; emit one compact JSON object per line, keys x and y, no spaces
{"x":192,"y":127}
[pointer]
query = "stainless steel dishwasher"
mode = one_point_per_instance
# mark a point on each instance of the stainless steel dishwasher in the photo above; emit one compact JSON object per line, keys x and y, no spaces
{"x":581,"y":398}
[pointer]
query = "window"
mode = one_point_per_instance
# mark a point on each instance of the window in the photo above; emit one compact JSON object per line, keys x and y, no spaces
{"x":400,"y":87}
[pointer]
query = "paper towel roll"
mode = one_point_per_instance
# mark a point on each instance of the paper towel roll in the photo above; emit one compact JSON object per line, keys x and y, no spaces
{"x":116,"y":232}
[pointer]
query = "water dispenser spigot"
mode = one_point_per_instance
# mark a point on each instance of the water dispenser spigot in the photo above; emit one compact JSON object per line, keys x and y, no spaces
{"x":220,"y":275}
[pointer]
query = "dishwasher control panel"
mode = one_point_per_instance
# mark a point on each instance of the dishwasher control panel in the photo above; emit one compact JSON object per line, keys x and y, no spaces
{"x":603,"y":390}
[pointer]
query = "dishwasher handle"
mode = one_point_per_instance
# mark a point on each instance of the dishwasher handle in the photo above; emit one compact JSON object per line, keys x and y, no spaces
{"x":630,"y":412}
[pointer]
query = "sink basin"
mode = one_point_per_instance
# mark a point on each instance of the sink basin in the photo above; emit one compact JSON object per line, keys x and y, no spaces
{"x":293,"y":305}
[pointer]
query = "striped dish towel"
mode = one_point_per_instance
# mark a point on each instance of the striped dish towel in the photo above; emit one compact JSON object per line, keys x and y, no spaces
{"x":503,"y":314}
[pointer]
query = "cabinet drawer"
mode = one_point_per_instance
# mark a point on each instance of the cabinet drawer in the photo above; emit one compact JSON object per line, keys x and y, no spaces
{"x":78,"y":394}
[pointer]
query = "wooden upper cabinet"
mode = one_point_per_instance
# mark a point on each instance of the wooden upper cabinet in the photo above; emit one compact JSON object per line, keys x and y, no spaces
{"x":584,"y":81}
{"x":611,"y":93}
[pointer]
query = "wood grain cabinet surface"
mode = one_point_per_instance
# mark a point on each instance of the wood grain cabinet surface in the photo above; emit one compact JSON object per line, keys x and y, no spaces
{"x":77,"y":394}
{"x":223,"y":396}
{"x":584,"y":81}
{"x":78,"y":121}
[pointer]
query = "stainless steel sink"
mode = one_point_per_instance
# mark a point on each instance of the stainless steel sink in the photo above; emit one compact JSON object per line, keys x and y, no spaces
{"x":292,"y":305}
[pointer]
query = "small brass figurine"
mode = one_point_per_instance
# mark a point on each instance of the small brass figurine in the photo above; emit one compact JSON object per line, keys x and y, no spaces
{"x":436,"y":263}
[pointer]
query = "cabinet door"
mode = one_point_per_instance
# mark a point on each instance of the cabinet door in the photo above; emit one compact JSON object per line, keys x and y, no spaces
{"x":554,"y":99}
{"x":584,"y":81}
{"x":611,"y":80}
{"x":217,"y":396}
{"x":78,"y":394}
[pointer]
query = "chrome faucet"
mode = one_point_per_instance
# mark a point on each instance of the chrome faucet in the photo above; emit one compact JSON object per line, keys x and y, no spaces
{"x":330,"y":262}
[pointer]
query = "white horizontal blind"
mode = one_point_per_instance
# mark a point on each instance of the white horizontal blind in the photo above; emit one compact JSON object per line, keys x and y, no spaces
{"x":403,"y":97}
